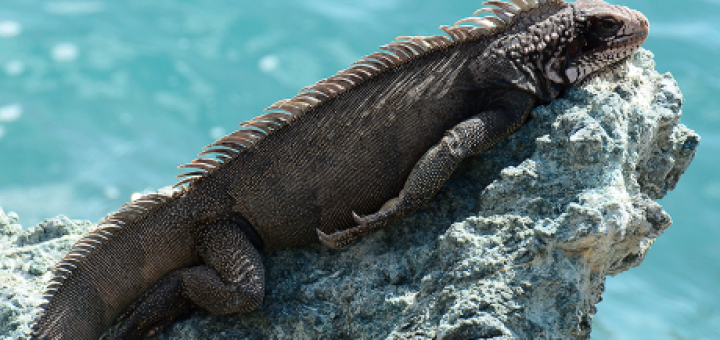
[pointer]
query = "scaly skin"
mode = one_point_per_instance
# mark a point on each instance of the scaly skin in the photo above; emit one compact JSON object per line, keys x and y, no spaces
{"x":343,"y":158}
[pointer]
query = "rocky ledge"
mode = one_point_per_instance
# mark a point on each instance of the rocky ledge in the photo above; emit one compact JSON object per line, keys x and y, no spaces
{"x":516,"y":246}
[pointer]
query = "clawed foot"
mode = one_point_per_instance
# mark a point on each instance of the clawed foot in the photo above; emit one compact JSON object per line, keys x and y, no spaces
{"x":342,"y":238}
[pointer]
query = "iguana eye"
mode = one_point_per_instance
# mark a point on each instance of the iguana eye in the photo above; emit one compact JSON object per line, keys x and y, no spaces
{"x":605,"y":27}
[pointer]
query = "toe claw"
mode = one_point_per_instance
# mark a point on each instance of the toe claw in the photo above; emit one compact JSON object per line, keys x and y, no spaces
{"x":327,"y":240}
{"x":358,"y":220}
{"x":321,"y":235}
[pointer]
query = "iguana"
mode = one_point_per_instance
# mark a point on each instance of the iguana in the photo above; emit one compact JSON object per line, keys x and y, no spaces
{"x":343,"y":158}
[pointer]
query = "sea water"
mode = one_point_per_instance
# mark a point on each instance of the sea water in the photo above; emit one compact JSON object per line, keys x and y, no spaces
{"x":100,"y":99}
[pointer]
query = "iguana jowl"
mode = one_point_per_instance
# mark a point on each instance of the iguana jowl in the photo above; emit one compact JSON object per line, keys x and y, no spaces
{"x":341,"y":159}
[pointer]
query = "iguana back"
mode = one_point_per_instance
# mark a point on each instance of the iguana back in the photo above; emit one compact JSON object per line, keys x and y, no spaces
{"x":351,"y":153}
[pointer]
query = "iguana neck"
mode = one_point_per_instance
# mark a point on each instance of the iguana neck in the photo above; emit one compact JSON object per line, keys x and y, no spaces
{"x":531,"y":54}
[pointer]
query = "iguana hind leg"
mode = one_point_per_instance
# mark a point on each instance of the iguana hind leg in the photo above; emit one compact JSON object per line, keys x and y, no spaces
{"x":430,"y":173}
{"x":231,"y":281}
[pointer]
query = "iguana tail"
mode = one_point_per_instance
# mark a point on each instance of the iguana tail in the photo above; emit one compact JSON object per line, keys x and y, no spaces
{"x":109,"y":268}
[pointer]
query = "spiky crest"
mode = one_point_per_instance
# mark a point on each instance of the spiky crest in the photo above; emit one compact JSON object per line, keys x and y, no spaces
{"x":392,"y":55}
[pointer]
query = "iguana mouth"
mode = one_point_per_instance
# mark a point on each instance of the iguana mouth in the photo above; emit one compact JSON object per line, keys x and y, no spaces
{"x":622,"y":45}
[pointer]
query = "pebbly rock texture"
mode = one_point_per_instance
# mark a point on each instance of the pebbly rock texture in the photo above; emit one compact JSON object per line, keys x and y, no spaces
{"x":26,"y":260}
{"x":516,"y":246}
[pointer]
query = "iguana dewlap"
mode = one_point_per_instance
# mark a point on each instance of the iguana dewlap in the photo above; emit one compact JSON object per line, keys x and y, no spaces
{"x":343,"y":158}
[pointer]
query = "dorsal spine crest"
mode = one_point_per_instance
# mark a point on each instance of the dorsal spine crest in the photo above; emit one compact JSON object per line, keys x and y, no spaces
{"x":398,"y":52}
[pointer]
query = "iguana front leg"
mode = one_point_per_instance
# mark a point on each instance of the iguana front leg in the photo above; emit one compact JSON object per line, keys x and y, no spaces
{"x":470,"y":137}
{"x":231,"y":281}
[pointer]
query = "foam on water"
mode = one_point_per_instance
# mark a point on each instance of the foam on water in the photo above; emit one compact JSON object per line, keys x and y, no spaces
{"x":10,"y":29}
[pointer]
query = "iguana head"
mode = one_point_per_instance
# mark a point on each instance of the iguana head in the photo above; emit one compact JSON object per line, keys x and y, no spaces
{"x":544,"y":46}
{"x":603,"y":35}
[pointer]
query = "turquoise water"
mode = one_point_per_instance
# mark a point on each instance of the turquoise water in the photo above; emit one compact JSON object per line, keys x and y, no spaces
{"x":101,"y":99}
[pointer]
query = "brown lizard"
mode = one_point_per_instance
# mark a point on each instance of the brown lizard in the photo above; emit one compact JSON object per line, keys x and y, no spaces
{"x":345,"y":157}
